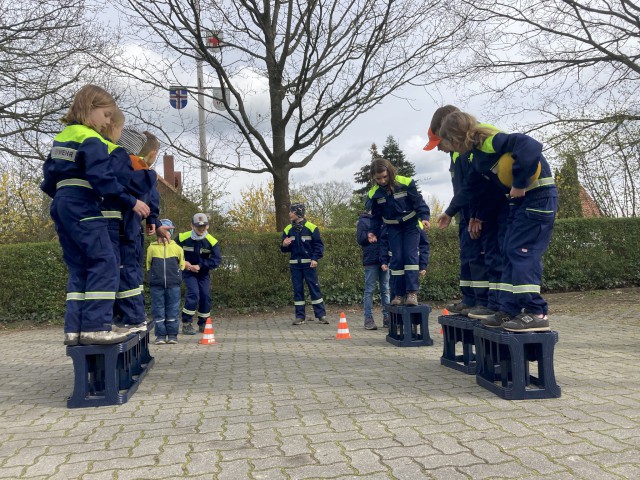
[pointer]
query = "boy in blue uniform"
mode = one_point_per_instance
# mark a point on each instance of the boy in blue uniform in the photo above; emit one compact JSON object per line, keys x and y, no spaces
{"x":202,"y":254}
{"x":302,"y":239}
{"x":165,"y":262}
{"x":368,"y":238}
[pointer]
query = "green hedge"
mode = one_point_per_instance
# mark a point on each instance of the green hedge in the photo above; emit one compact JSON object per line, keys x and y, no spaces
{"x":584,"y":254}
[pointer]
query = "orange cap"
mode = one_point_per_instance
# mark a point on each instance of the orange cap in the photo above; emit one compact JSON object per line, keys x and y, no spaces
{"x":434,"y":140}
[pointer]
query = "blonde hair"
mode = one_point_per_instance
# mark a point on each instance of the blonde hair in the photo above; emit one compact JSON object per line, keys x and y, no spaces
{"x":152,"y":145}
{"x":439,"y":115}
{"x":381,"y":165}
{"x":463,"y":130}
{"x":85,"y":101}
{"x":116,"y":123}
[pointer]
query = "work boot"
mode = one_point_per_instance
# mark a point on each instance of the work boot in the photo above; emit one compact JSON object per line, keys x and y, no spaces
{"x":71,"y":338}
{"x":116,"y":329}
{"x":527,"y":322}
{"x":136,"y":327}
{"x":323,"y":320}
{"x":187,"y":329}
{"x":385,"y":322}
{"x":102,"y":338}
{"x":412,"y":299}
{"x":201,"y":327}
{"x":397,"y":300}
{"x":496,"y":320}
{"x":478,"y":313}
{"x":299,"y":321}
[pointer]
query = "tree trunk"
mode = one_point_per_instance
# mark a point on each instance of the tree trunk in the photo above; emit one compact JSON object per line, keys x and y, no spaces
{"x":281,"y":197}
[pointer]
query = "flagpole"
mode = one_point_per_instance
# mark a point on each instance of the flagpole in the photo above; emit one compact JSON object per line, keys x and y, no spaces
{"x":204,"y":172}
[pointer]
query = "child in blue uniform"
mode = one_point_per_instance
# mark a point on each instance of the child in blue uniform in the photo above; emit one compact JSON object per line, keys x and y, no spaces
{"x":532,"y":207}
{"x":165,"y":262}
{"x":372,"y":256}
{"x":397,"y":202}
{"x":202,"y":254}
{"x":302,"y":239}
{"x":78,"y":175}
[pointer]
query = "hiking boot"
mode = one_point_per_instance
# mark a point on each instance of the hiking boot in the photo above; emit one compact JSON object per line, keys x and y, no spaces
{"x":117,"y":329}
{"x":457,"y":307}
{"x":412,"y":299}
{"x":160,"y":341}
{"x":496,"y":320}
{"x":71,"y":338}
{"x":172,"y":340}
{"x":527,"y":322}
{"x":397,"y":300}
{"x":370,"y":324}
{"x":385,"y":322}
{"x":479,"y":313}
{"x":465,"y":311}
{"x":102,"y":338}
{"x":201,"y":327}
{"x":323,"y":320}
{"x":299,"y":321}
{"x":187,"y":329}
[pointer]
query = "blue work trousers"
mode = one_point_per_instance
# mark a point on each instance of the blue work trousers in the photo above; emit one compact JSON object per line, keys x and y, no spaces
{"x":492,"y":236}
{"x":89,"y":255}
{"x":300,"y":275}
{"x":473,"y":273}
{"x":529,"y":230}
{"x":130,"y":296}
{"x":197,"y":298}
{"x":373,"y":275}
{"x":165,"y":307}
{"x":403,"y":243}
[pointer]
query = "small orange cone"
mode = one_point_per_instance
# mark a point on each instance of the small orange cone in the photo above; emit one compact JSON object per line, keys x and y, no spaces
{"x":207,"y":337}
{"x":445,"y":311}
{"x":343,"y":328}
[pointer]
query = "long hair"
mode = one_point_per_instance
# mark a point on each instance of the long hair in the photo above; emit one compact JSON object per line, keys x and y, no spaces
{"x":85,"y":101}
{"x":463,"y":130}
{"x":380,"y":165}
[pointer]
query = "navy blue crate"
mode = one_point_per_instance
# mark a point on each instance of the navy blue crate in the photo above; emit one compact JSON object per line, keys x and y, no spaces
{"x":457,"y":332}
{"x":409,"y":325}
{"x":504,"y":363}
{"x":109,"y":374}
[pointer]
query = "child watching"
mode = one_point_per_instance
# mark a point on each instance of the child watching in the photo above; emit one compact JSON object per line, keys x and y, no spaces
{"x":302,"y":239}
{"x":367,"y":238}
{"x":202,"y":254}
{"x":165,"y":262}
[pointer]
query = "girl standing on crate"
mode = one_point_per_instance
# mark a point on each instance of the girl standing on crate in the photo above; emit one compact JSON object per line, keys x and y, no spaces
{"x":396,"y":201}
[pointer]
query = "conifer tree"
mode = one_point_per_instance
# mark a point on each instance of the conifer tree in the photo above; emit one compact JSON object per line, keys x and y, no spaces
{"x":391,"y":151}
{"x":362,"y":176}
{"x":568,"y":185}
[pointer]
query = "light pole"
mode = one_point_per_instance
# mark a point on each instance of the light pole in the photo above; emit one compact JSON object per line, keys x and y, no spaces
{"x":204,"y":173}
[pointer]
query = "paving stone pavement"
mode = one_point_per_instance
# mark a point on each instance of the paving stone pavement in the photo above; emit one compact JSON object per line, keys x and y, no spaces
{"x":273,"y":401}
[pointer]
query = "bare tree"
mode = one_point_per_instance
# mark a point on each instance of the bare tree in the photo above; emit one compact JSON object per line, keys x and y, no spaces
{"x":576,"y":62}
{"x":320,"y":64}
{"x":322,"y":198}
{"x":46,"y":49}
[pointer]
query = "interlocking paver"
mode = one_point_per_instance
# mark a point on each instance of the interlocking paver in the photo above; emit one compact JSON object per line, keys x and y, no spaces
{"x":270,"y":401}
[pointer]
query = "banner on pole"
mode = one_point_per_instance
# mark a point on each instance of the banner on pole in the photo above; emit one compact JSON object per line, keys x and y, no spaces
{"x":217,"y":98}
{"x":178,"y":97}
{"x":213,"y":40}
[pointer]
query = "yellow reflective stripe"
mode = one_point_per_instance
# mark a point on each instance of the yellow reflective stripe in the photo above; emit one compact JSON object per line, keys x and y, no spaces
{"x":204,"y":315}
{"x":75,"y":296}
{"x":526,"y":289}
{"x":505,"y":287}
{"x":397,"y":272}
{"x":129,"y":293}
{"x":111,"y":214}
{"x":92,"y":218}
{"x":466,"y":283}
{"x":317,"y":301}
{"x":400,"y":195}
{"x":74,"y":182}
{"x":411,"y":267}
{"x":480,"y":284}
{"x":188,"y":312}
{"x":539,"y":211}
{"x":493,"y":286}
{"x":302,"y":260}
{"x":404,"y":219}
{"x":382,"y":200}
{"x":299,"y":302}
{"x":100,"y":295}
{"x":541,"y":182}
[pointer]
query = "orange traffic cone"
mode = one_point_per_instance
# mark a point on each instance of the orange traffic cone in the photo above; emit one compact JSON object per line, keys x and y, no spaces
{"x":445,"y":311}
{"x":343,"y":328}
{"x":207,"y":337}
